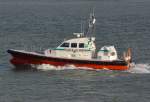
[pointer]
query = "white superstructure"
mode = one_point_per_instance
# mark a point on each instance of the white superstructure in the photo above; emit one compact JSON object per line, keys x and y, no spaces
{"x":82,"y":47}
{"x":107,"y":53}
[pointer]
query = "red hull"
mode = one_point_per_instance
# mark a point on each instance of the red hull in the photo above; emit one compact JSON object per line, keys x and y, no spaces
{"x":25,"y":58}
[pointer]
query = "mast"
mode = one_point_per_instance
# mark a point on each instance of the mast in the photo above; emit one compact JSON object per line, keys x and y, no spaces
{"x":91,"y":24}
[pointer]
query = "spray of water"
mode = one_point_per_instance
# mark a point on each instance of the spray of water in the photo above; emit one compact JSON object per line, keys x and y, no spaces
{"x":139,"y":68}
{"x":46,"y":67}
{"x":136,"y":68}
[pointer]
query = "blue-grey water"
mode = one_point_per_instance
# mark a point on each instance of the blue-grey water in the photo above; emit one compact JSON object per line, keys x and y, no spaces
{"x":39,"y":24}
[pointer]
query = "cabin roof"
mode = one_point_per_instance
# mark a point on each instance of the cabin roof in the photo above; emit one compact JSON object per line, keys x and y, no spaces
{"x":78,"y":40}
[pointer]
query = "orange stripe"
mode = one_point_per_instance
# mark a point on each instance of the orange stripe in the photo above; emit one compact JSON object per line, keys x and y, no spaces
{"x":16,"y":61}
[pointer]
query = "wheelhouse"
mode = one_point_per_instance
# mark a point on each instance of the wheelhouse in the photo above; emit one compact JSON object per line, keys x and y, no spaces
{"x":72,"y":45}
{"x":82,"y":47}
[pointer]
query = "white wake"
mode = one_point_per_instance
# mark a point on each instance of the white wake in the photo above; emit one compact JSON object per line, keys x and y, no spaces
{"x":136,"y":68}
{"x":140,"y":68}
{"x":46,"y":67}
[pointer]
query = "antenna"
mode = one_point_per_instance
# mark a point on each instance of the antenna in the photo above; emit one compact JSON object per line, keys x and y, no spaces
{"x":92,"y":20}
{"x":93,"y":12}
{"x":82,"y":28}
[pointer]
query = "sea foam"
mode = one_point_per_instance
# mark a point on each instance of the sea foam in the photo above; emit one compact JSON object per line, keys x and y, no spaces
{"x":136,"y":68}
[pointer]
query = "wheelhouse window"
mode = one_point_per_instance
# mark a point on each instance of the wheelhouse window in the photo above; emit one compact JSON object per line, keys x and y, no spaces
{"x":81,"y":45}
{"x":65,"y":45}
{"x":73,"y":45}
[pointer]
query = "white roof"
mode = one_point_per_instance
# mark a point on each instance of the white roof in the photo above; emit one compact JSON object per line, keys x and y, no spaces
{"x":78,"y":40}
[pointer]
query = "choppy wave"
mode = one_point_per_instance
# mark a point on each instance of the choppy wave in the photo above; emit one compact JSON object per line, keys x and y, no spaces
{"x":136,"y":68}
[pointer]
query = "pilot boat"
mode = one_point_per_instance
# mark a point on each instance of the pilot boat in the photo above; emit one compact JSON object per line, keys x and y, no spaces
{"x":79,"y":51}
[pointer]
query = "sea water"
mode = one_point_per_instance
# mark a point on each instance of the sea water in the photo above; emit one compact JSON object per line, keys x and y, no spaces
{"x":36,"y":25}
